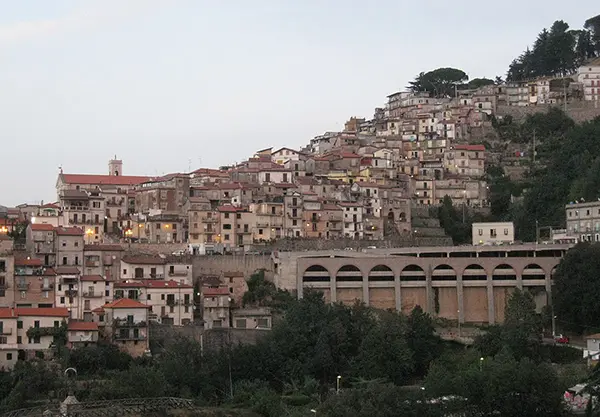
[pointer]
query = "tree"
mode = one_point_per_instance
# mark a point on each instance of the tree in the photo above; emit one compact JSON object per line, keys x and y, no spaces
{"x":422,"y":340}
{"x":452,"y":222}
{"x":593,"y":26}
{"x":577,"y":288}
{"x":499,"y":385}
{"x":440,"y":82}
{"x":480,"y":82}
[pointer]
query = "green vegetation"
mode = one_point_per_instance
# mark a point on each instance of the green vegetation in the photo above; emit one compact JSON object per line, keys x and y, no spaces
{"x":557,"y":51}
{"x":382,"y":359}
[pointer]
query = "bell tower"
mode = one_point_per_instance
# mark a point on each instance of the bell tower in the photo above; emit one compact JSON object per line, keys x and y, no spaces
{"x":115,"y":167}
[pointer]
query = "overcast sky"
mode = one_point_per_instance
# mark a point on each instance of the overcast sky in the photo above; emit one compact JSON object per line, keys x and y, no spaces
{"x":165,"y":84}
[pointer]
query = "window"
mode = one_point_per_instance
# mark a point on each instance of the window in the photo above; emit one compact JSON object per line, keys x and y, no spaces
{"x":226,"y":227}
{"x":260,"y":231}
{"x":77,"y":260}
{"x":149,"y":297}
{"x":262,"y":323}
{"x":19,"y":324}
{"x":505,"y":232}
{"x":492,"y":232}
{"x":238,"y":216}
{"x":226,"y":237}
{"x":19,"y":340}
{"x":76,"y":244}
{"x":62,"y":300}
{"x":9,"y":356}
{"x":240,"y":323}
{"x":63,"y":243}
{"x":64,"y":260}
{"x":56,"y":323}
{"x":36,"y":324}
{"x":226,"y":215}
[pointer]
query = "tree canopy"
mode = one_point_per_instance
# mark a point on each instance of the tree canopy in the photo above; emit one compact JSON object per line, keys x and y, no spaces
{"x":558,"y":51}
{"x":440,"y":82}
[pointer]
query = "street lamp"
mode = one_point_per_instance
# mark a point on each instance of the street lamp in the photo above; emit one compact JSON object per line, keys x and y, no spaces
{"x":481,"y":364}
{"x":459,"y":329}
{"x":337,"y":382}
{"x":3,"y":229}
{"x":313,"y":411}
{"x":89,"y":232}
{"x":128,"y":234}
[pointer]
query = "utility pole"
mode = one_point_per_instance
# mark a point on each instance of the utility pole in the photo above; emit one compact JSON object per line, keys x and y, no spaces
{"x":534,"y":146}
{"x":565,"y":91}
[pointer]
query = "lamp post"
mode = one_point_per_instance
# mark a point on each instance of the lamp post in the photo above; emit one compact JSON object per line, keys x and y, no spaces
{"x":459,"y":329}
{"x":481,"y":364}
{"x":128,"y":234}
{"x":337,"y":384}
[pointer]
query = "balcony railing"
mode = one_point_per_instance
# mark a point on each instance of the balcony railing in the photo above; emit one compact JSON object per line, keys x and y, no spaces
{"x":3,"y":285}
{"x":22,"y":286}
{"x":92,"y":264}
{"x":178,"y":273}
{"x":46,"y":287}
{"x":71,"y":293}
{"x":130,"y":337}
{"x":6,"y":332}
{"x":210,"y":219}
{"x":93,"y":294}
{"x":128,"y":323}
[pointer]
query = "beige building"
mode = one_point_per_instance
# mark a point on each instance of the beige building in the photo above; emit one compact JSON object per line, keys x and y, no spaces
{"x":493,"y":233}
{"x":69,"y":246}
{"x":164,"y":228}
{"x":216,"y":302}
{"x":204,"y":222}
{"x":9,"y":348}
{"x":268,"y":223}
{"x":236,"y":224}
{"x":45,"y":319}
{"x":589,"y":76}
{"x":293,"y":225}
{"x":94,"y":292}
{"x":465,"y":160}
{"x":103,"y":259}
{"x":41,"y":243}
{"x":252,"y":318}
{"x":126,"y":324}
{"x":82,"y":334}
{"x":67,"y":290}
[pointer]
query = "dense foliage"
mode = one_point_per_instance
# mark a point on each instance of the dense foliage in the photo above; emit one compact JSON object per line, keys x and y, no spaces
{"x":558,"y":51}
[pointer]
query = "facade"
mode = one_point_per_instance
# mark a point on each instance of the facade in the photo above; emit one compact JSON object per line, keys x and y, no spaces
{"x":126,"y":324}
{"x":82,"y":334}
{"x":493,"y":233}
{"x":7,"y":262}
{"x":583,"y":221}
{"x":466,"y":283}
{"x":216,"y":303}
{"x":143,"y":267}
{"x":251,"y":318}
{"x":33,"y":284}
{"x":41,"y":242}
{"x":69,"y":246}
{"x":589,"y":76}
{"x":103,"y":259}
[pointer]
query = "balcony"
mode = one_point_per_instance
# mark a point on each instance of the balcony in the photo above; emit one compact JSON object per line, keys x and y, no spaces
{"x":3,"y":285}
{"x":68,"y":280}
{"x":47,"y":287}
{"x":210,"y":219}
{"x":22,"y":286}
{"x":116,"y":203}
{"x":130,"y":337}
{"x":178,"y":273}
{"x":5,"y":332}
{"x":172,"y":302}
{"x":93,"y":294}
{"x":124,"y":323}
{"x":92,"y":264}
{"x":71,"y":293}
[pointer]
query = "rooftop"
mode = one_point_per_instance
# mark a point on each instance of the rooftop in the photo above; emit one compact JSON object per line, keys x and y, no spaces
{"x":43,"y":312}
{"x":144,"y":259}
{"x":82,"y":326}
{"x":125,"y":303}
{"x":88,"y":179}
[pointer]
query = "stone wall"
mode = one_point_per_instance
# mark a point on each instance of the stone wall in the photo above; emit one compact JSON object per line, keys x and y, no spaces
{"x":244,"y":264}
{"x":299,"y":245}
{"x":154,"y":248}
{"x":578,"y":111}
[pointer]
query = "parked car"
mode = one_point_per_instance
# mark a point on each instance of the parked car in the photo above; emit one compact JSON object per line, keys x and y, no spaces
{"x":559,"y":338}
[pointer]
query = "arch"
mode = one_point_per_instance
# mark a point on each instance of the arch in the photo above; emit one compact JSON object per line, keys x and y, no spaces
{"x":381,"y":273}
{"x":412,"y":273}
{"x":474,"y":272}
{"x":402,"y":216}
{"x":316,"y":273}
{"x":390,"y":215}
{"x":349,"y":273}
{"x":504,"y":272}
{"x":534,"y":271}
{"x":443,"y":272}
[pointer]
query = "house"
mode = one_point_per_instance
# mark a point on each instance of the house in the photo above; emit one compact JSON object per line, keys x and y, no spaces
{"x":102,"y":259}
{"x":41,"y":242}
{"x":252,"y":318}
{"x":9,"y":348}
{"x":33,"y":283}
{"x":81,"y":333}
{"x":592,"y":349}
{"x":589,"y":76}
{"x":216,"y":302}
{"x":95,"y":291}
{"x":353,"y":219}
{"x":48,"y":214}
{"x":143,"y":267}
{"x":466,"y":160}
{"x":7,"y":262}
{"x":67,"y":291}
{"x":583,"y":221}
{"x":282,"y":155}
{"x":36,"y":328}
{"x":69,"y":246}
{"x":236,"y":226}
{"x":126,"y":325}
{"x":169,"y":302}
{"x":493,"y":233}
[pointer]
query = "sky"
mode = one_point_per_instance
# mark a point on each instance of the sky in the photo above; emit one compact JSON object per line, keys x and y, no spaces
{"x":166,"y":85}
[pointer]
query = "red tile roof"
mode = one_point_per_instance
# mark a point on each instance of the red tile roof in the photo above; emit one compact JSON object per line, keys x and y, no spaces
{"x":7,"y":313}
{"x":230,"y":209}
{"x":82,"y":326}
{"x":480,"y":148}
{"x":103,"y":247}
{"x":50,"y":205}
{"x":98,"y":310}
{"x":103,"y":179}
{"x":49,"y":272}
{"x":43,"y":312}
{"x":89,"y":278}
{"x":28,"y":262}
{"x":67,"y":270}
{"x":125,"y":303}
{"x":144,"y":259}
{"x":211,"y":292}
{"x":69,"y":231}
{"x":42,"y":228}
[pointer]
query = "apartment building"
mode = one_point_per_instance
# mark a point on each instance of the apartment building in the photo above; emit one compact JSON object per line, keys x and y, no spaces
{"x":589,"y":76}
{"x":94,"y":292}
{"x":9,"y":348}
{"x":48,"y":213}
{"x":102,"y":259}
{"x":169,"y":302}
{"x":493,"y":233}
{"x":164,"y":228}
{"x":82,"y":334}
{"x":85,"y":210}
{"x":293,"y":214}
{"x":125,"y":322}
{"x":143,"y":267}
{"x":6,"y":271}
{"x":583,"y":221}
{"x":216,"y":302}
{"x":67,"y":290}
{"x":353,"y":220}
{"x":268,"y":223}
{"x":236,"y":225}
{"x":167,"y":194}
{"x":204,"y":222}
{"x":33,"y":284}
{"x":465,"y":160}
{"x":40,"y":243}
{"x":35,"y":329}
{"x":69,"y":246}
{"x":252,"y":318}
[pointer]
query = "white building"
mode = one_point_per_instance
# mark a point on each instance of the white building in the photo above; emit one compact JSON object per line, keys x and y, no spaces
{"x":493,"y":233}
{"x":589,"y":76}
{"x":353,"y":220}
{"x":583,"y":221}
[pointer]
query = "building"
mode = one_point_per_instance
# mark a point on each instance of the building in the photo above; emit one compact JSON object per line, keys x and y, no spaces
{"x":82,"y":334}
{"x":592,"y":350}
{"x":583,"y":221}
{"x":7,"y":266}
{"x":143,"y":267}
{"x":493,"y":233}
{"x":466,"y":283}
{"x":36,"y":327}
{"x":589,"y":76}
{"x":94,"y":292}
{"x":236,"y":224}
{"x":41,"y":243}
{"x":33,"y":283}
{"x":465,"y":160}
{"x":126,"y":324}
{"x":353,"y":220}
{"x":102,"y":259}
{"x":252,"y":318}
{"x":69,"y":246}
{"x":216,"y":303}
